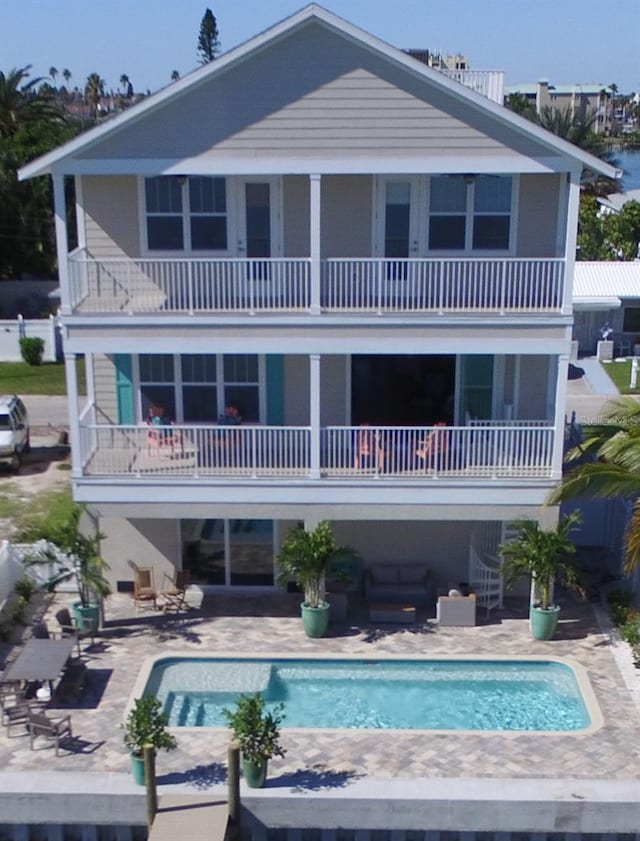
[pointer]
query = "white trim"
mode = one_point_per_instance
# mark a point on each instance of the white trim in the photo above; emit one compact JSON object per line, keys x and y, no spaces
{"x":81,"y":218}
{"x":571,"y":239}
{"x":62,"y":240}
{"x":313,"y":12}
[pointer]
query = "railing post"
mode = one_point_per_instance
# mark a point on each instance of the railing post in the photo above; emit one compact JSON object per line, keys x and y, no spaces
{"x":233,"y":790}
{"x":558,"y":426}
{"x":149,"y":757}
{"x":380,"y":265}
{"x":314,"y":413}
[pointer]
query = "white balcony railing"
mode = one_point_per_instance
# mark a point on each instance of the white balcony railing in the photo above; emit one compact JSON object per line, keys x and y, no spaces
{"x":145,"y":285}
{"x":489,"y":83}
{"x":412,"y":453}
{"x":444,"y":285}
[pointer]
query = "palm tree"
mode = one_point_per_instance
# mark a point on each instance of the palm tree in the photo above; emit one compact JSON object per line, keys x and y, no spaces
{"x":174,"y":75}
{"x":21,"y":101}
{"x":124,"y":81}
{"x":94,"y":91}
{"x":612,"y":468}
{"x":53,"y":72}
{"x":66,"y":75}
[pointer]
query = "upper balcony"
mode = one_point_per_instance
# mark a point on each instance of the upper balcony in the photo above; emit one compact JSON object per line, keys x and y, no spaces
{"x":429,"y":286}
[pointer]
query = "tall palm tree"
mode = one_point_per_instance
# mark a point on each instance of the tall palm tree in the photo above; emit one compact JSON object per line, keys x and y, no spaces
{"x":612,"y":468}
{"x":174,"y":75}
{"x":66,"y":75}
{"x":94,"y":91}
{"x":124,"y":81}
{"x":21,"y":101}
{"x":53,"y":72}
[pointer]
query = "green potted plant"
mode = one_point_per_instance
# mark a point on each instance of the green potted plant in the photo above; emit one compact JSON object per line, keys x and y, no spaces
{"x":146,"y":724}
{"x":83,"y":562}
{"x":543,"y":555}
{"x":307,"y":557}
{"x":258,"y":734}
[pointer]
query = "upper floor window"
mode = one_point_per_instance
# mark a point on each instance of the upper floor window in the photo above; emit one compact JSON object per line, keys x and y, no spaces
{"x":186,"y":214}
{"x":470,"y":213}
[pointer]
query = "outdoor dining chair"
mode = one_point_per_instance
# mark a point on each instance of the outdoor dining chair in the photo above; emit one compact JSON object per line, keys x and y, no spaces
{"x":54,"y":729}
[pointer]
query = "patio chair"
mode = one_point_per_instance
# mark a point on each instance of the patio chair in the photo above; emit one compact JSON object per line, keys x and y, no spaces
{"x":144,"y":588}
{"x":69,"y":629}
{"x":54,"y":729}
{"x":175,"y":592}
{"x":369,"y":451}
{"x":15,"y":711}
{"x":433,"y":450}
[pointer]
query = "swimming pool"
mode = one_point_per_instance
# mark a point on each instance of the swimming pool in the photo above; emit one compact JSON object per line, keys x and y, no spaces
{"x":528,"y":694}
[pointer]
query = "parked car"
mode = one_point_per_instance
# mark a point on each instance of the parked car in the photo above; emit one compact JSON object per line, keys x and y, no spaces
{"x":14,"y":431}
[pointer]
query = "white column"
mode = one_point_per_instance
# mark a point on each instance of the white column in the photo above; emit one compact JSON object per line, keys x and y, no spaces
{"x":60,"y":211}
{"x":314,"y":240}
{"x":314,"y":413}
{"x":74,"y":412}
{"x":561,"y":403}
{"x":88,"y":373}
{"x":571,"y":240}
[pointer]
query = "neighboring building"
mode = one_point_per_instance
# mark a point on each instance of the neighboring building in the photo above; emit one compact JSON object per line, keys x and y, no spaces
{"x":368,"y":262}
{"x":614,"y":202}
{"x":580,"y":100}
{"x":489,"y":83}
{"x":606,"y":295}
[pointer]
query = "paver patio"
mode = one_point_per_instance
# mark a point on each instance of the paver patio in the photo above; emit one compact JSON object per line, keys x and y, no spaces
{"x":271,"y":625}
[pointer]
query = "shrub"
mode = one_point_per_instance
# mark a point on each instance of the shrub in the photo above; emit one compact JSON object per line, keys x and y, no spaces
{"x":18,"y":611}
{"x":25,"y":587}
{"x":32,"y":349}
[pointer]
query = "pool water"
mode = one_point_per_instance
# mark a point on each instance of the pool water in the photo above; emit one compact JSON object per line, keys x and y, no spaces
{"x":390,"y":694}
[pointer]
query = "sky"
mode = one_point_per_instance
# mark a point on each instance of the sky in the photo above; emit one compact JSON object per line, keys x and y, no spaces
{"x":565,"y":41}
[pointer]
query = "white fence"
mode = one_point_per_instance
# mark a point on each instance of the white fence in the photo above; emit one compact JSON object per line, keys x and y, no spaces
{"x":12,"y":330}
{"x":11,"y":571}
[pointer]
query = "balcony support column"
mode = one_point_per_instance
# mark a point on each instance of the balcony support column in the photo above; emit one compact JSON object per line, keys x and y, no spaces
{"x":62,"y":242}
{"x":74,"y":413}
{"x":314,"y":240}
{"x":571,"y":241}
{"x":559,"y":419}
{"x":314,"y":414}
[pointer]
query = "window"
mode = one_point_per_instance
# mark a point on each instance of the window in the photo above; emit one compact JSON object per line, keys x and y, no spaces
{"x":195,"y":388}
{"x":469,"y":213}
{"x":631,"y":320}
{"x":186,"y":214}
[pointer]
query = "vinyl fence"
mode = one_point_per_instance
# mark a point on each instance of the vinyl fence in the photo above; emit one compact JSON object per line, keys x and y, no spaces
{"x":47,"y":329}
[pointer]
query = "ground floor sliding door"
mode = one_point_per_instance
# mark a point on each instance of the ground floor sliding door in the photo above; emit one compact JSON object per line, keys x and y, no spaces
{"x":236,"y":553}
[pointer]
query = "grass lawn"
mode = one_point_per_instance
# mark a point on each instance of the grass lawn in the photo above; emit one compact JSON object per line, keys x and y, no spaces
{"x":48,"y":378}
{"x":620,"y":373}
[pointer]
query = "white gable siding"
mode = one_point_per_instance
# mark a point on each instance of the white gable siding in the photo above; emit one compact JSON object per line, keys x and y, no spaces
{"x":315,"y":93}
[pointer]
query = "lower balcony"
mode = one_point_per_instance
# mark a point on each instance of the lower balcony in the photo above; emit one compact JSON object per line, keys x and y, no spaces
{"x":482,"y":450}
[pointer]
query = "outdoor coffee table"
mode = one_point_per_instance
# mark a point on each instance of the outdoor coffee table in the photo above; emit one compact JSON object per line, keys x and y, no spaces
{"x":41,"y":660}
{"x":401,"y":614}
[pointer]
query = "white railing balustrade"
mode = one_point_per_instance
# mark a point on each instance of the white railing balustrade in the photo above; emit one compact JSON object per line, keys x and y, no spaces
{"x":496,"y":451}
{"x":145,"y":285}
{"x":142,"y":285}
{"x":443,"y":285}
{"x":201,"y":451}
{"x":489,"y":83}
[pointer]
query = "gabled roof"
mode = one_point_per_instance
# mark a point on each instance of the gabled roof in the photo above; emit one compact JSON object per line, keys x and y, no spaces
{"x":54,"y":160}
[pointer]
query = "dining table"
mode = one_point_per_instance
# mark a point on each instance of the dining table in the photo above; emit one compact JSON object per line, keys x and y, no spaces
{"x":41,"y":660}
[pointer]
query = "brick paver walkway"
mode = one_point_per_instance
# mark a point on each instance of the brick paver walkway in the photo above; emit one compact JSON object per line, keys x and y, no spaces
{"x":270,"y":625}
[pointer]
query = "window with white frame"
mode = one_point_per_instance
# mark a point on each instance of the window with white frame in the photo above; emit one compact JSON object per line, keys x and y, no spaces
{"x":196,"y":388}
{"x":470,"y":213}
{"x":186,"y":214}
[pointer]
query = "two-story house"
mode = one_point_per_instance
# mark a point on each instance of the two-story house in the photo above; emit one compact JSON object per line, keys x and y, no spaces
{"x":316,"y":279}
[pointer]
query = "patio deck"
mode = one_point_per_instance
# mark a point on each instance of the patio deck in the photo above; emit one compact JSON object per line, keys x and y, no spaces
{"x":270,"y":624}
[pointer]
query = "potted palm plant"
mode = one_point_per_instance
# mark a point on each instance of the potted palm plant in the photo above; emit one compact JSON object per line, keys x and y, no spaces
{"x":543,"y":555}
{"x":258,"y":734}
{"x":307,"y":557}
{"x":77,"y":556}
{"x":146,"y":724}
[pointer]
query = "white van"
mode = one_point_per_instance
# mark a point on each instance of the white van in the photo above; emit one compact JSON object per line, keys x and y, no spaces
{"x":14,"y":431}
